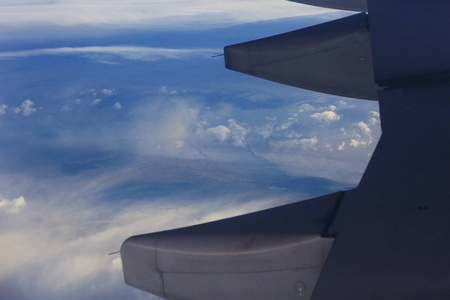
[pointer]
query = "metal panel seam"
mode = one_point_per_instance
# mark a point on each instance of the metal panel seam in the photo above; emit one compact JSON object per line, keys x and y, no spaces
{"x":314,"y":53}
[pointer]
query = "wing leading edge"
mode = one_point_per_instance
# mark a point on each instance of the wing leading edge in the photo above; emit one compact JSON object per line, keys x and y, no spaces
{"x":276,"y":253}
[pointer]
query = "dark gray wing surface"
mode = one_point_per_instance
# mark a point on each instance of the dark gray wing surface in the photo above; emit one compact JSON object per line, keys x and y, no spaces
{"x":355,"y":5}
{"x":272,"y":254}
{"x":333,"y":58}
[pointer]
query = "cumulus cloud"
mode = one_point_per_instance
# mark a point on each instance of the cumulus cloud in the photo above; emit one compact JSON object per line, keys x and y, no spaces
{"x":3,"y":108}
{"x":117,"y":106}
{"x":234,"y":132}
{"x":309,"y":142}
{"x":65,"y":108}
{"x":341,"y":104}
{"x":165,"y":90}
{"x":374,"y":118}
{"x":107,"y":92}
{"x":363,"y":126}
{"x":357,"y":142}
{"x":237,"y":133}
{"x":220,"y":132}
{"x":374,"y":114}
{"x":286,"y":125}
{"x":266,"y":130}
{"x":305,"y":107}
{"x":373,"y":121}
{"x":362,"y":139}
{"x":27,"y":108}
{"x":96,"y":102}
{"x":327,"y":116}
{"x":12,"y":206}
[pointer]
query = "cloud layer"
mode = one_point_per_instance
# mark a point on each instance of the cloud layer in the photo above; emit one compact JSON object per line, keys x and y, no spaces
{"x":170,"y":13}
{"x":122,"y":51}
{"x":154,"y":138}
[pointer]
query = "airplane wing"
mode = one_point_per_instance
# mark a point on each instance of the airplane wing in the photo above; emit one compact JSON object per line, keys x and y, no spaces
{"x":333,"y":58}
{"x":389,"y":238}
{"x":354,"y":5}
{"x":272,"y":254}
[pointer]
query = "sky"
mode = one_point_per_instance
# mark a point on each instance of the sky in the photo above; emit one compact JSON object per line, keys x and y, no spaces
{"x":116,"y":121}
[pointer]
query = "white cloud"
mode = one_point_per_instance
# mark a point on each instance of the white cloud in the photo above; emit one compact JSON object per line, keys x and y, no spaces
{"x":305,"y":107}
{"x":237,"y":133}
{"x":107,"y":92}
{"x":375,"y":118}
{"x":56,"y":252}
{"x":328,"y":116}
{"x":65,"y":108}
{"x":362,"y":140}
{"x":12,"y":206}
{"x":341,"y":146}
{"x":363,"y":126}
{"x":341,"y":104}
{"x":26,"y":108}
{"x":265,"y":131}
{"x":99,"y":53}
{"x":117,"y":106}
{"x":96,"y":102}
{"x":234,"y":132}
{"x":165,"y":90}
{"x":152,"y":13}
{"x":289,"y":145}
{"x":3,"y":108}
{"x":309,"y":142}
{"x":374,"y":114}
{"x":165,"y":127}
{"x":357,"y":142}
{"x":286,"y":125}
{"x":373,"y":121}
{"x":220,"y":132}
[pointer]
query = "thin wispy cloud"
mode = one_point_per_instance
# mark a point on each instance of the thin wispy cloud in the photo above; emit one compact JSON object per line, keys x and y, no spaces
{"x":59,"y":255}
{"x":170,"y":13}
{"x":120,"y":51}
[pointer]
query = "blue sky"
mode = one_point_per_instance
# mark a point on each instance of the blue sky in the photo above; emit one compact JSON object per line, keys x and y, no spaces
{"x":115,"y":121}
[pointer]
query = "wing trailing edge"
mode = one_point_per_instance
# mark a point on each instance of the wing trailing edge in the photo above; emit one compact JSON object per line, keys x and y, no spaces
{"x":354,"y":5}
